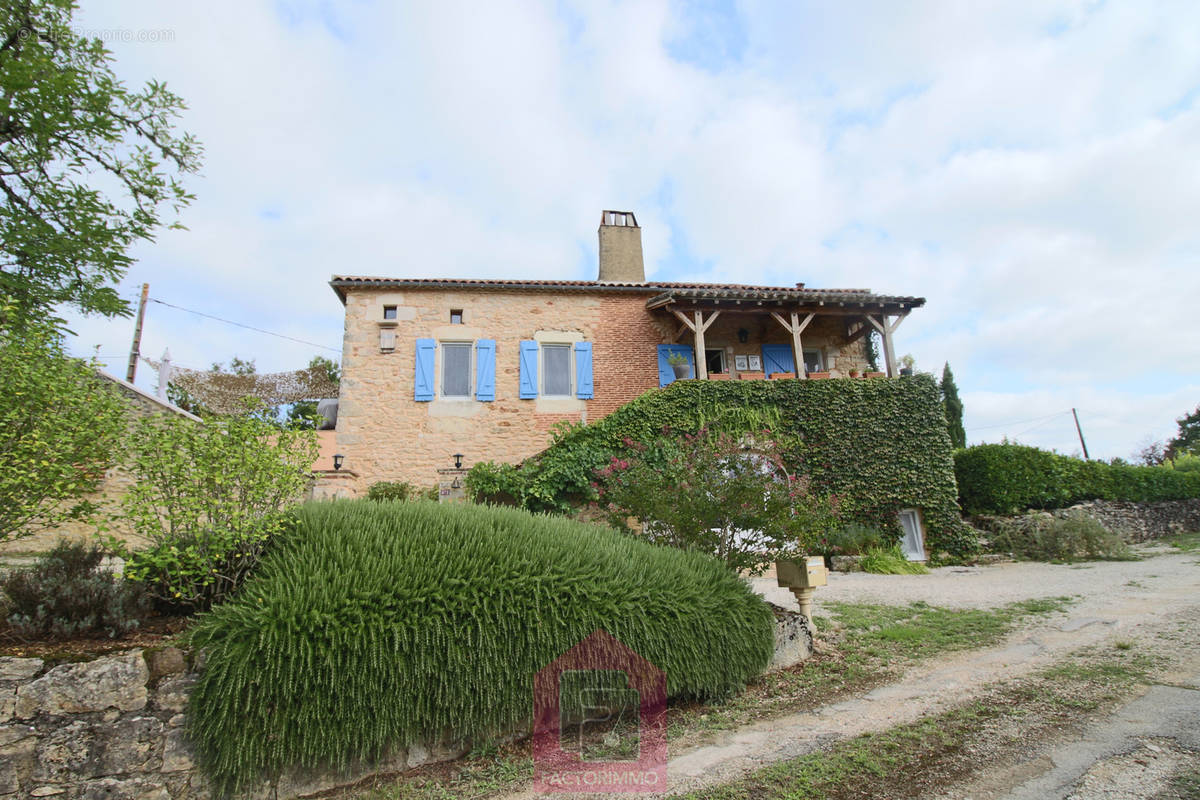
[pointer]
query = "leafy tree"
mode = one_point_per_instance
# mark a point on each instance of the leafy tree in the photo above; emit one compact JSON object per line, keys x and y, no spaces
{"x":210,"y":497}
{"x":716,"y":493}
{"x":1151,"y":453}
{"x":953,"y":407}
{"x":1188,"y":438}
{"x":60,"y":429}
{"x":304,"y":413}
{"x":87,"y":165}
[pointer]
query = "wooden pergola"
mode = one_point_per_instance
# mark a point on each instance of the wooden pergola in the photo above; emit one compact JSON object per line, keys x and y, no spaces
{"x":698,"y":307}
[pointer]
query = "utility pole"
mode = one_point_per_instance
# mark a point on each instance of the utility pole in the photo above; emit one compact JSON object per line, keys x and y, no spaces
{"x":1079,"y":430}
{"x":136,"y":349}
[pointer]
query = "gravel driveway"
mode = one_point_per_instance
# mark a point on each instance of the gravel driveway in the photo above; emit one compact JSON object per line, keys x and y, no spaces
{"x":999,"y":584}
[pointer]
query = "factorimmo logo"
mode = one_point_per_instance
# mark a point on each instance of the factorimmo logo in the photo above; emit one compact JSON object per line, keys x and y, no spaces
{"x":600,"y":721}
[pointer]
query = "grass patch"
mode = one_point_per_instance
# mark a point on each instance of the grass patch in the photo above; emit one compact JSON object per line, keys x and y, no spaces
{"x":936,"y":751}
{"x":890,"y":561}
{"x":1187,"y":542}
{"x":867,"y":645}
{"x":481,"y":774}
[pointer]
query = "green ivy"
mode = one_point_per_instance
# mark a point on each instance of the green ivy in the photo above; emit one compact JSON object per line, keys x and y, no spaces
{"x":879,"y":444}
{"x":1008,"y":478}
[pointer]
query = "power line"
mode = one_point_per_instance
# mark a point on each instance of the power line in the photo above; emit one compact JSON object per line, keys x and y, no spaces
{"x":240,"y":325}
{"x":1020,"y":422}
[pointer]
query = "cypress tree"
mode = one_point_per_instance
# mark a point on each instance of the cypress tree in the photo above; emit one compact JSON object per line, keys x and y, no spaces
{"x":953,"y":407}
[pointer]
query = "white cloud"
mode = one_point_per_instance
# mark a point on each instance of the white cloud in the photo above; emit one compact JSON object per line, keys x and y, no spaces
{"x":1030,"y":168}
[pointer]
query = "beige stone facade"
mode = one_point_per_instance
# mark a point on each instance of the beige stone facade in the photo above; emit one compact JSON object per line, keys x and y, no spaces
{"x":402,"y":416}
{"x":384,"y":434}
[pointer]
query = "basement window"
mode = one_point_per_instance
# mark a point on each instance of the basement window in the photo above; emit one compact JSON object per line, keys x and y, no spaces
{"x":456,"y":316}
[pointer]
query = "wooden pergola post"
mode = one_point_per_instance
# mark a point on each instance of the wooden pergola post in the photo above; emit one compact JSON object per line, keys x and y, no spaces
{"x":698,"y":325}
{"x":886,"y":328}
{"x":795,"y":327}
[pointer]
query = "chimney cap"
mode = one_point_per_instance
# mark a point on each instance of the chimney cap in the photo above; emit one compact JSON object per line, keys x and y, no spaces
{"x":618,"y":219}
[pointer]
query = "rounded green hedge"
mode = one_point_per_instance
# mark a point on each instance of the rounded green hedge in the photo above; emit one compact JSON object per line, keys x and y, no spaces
{"x":1008,"y":478}
{"x":375,"y":625}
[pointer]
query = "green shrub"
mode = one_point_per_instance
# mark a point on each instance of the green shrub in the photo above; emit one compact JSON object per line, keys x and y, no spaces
{"x":890,"y":561}
{"x":1008,"y":478}
{"x":716,"y":493}
{"x":66,"y":594}
{"x":381,"y":624}
{"x":382,"y":491}
{"x":209,"y":496}
{"x":1071,"y":538}
{"x":851,"y":540}
{"x":1186,"y":463}
{"x":880,"y":445}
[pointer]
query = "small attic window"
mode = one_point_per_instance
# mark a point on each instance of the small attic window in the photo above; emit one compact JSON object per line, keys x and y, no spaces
{"x":456,"y":316}
{"x":389,"y":312}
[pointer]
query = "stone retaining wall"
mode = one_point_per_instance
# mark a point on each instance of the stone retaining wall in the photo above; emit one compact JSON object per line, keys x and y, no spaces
{"x":1134,"y":522}
{"x":113,"y":728}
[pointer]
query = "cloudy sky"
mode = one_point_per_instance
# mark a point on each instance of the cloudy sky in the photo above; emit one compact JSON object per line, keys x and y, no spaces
{"x":1031,"y":168}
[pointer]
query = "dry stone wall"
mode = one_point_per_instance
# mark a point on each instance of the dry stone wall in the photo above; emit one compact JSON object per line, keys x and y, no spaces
{"x":113,"y":728}
{"x":1134,"y":522}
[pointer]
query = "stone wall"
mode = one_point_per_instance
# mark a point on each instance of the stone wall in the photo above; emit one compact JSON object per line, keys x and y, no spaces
{"x":112,"y":488}
{"x":385,"y":434}
{"x":109,"y":728}
{"x":1134,"y":522}
{"x":113,"y":728}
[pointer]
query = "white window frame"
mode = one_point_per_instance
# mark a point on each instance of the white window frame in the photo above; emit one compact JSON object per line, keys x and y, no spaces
{"x":543,"y":373}
{"x":441,"y":369}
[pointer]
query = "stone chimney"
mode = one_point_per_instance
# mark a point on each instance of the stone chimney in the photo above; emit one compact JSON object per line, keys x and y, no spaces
{"x":620,"y":248}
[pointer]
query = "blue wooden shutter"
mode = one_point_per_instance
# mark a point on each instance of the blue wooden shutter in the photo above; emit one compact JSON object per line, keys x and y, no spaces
{"x":777,"y":358}
{"x":583,"y":370}
{"x":666,"y":373}
{"x":485,"y":370}
{"x":529,"y":359}
{"x":423,"y":383}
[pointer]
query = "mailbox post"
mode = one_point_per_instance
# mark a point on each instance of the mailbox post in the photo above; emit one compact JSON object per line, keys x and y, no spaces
{"x":802,"y":577}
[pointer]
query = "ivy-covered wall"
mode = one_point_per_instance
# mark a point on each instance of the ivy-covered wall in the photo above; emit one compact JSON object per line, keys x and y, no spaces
{"x":879,"y":444}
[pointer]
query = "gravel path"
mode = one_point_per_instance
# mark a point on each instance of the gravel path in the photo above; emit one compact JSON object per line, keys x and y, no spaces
{"x":999,"y":584}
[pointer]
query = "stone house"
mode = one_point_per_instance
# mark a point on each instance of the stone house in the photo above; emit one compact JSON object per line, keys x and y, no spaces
{"x":433,"y":367}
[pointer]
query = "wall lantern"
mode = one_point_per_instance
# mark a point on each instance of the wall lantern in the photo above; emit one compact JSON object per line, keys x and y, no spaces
{"x":743,"y":335}
{"x":337,"y":461}
{"x":458,"y":460}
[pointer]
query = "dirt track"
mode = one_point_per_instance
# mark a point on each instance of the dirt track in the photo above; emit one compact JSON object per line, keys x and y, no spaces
{"x":1154,"y":603}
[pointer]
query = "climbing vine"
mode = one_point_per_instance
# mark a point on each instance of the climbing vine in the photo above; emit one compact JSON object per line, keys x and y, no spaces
{"x":879,"y":444}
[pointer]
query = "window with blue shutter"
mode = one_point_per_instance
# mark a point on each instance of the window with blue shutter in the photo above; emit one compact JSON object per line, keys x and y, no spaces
{"x":423,"y":379}
{"x":529,"y":369}
{"x":583,"y":370}
{"x":666,"y":372}
{"x":485,"y":370}
{"x":777,"y":358}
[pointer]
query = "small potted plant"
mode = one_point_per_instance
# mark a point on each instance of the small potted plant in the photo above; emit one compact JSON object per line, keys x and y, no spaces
{"x":907,"y":362}
{"x":854,"y":372}
{"x":679,"y":363}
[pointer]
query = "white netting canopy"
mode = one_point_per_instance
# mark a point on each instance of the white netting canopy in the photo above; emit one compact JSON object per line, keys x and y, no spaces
{"x":224,"y":392}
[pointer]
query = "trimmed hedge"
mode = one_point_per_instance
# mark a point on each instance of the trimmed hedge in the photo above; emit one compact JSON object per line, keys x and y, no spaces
{"x":881,"y":445}
{"x":1009,"y":478}
{"x":377,"y":625}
